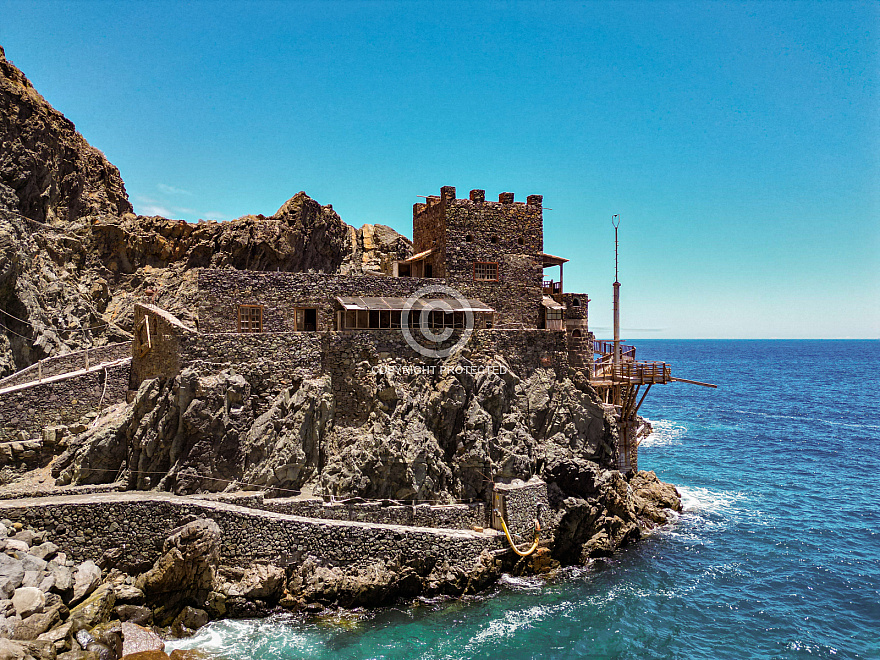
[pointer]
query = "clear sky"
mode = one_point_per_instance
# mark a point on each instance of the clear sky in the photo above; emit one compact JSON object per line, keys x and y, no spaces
{"x":738,"y":141}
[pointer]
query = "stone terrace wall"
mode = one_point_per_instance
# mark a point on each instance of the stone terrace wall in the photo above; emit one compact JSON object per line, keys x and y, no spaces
{"x":451,"y":516}
{"x":521,"y":504}
{"x":160,"y":358}
{"x":60,"y":402}
{"x":222,"y":291}
{"x":62,"y":364}
{"x":524,"y":350}
{"x":87,"y":526}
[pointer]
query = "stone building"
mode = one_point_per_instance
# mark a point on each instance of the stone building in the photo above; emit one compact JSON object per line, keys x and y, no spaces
{"x":491,"y":253}
{"x":482,"y":262}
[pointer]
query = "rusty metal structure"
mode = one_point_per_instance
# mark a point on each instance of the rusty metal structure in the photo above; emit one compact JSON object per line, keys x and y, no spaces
{"x":619,"y":378}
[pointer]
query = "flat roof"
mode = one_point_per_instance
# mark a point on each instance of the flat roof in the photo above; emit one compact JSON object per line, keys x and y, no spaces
{"x":551,"y":260}
{"x":368,"y":303}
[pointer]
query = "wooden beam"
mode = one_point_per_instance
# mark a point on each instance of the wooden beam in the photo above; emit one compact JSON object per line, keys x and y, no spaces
{"x":692,"y":382}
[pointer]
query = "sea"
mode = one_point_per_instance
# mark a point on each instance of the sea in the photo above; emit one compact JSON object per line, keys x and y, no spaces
{"x":776,"y":554}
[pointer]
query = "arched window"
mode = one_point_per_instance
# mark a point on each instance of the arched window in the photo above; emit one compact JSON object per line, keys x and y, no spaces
{"x":576,"y":333}
{"x":575,"y":302}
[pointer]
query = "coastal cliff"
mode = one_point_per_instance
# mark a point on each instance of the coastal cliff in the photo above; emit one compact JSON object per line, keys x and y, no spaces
{"x":74,"y":262}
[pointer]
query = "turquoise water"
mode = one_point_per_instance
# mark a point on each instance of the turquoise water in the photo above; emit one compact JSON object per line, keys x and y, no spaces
{"x":777,"y":554}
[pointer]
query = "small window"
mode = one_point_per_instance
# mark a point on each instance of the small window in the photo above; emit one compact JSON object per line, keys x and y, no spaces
{"x":575,"y":302}
{"x":575,"y":333}
{"x":494,"y":239}
{"x":250,"y":318}
{"x":521,"y":240}
{"x":486,"y":271}
{"x":469,"y":238}
{"x":554,"y":315}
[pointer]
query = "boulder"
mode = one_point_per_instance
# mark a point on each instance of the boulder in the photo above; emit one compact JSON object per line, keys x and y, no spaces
{"x":28,"y":600}
{"x":188,"y":565}
{"x":127,"y":593}
{"x":62,"y":576}
{"x":26,"y":536}
{"x":26,"y":650}
{"x":58,"y":636}
{"x":96,"y":608}
{"x":11,"y":575}
{"x":189,"y":620}
{"x":45,"y":550}
{"x":87,"y":578}
{"x":143,"y":616}
{"x":14,"y":545}
{"x":137,"y":639}
{"x":653,"y":499}
{"x":36,"y":624}
{"x":263,"y":581}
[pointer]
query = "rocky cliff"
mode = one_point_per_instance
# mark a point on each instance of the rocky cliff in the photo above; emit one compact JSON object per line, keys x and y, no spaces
{"x":74,"y":258}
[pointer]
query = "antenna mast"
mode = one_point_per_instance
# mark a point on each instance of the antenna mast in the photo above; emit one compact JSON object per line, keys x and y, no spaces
{"x":615,"y":221}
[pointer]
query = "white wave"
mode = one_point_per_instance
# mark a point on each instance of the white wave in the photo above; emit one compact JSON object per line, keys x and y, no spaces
{"x":702,"y":500}
{"x":665,"y":432}
{"x":522,"y":583}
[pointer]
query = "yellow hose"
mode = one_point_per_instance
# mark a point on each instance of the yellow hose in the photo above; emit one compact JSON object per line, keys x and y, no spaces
{"x":510,"y":540}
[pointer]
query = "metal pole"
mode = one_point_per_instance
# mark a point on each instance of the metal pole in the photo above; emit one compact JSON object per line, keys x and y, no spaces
{"x":615,"y":220}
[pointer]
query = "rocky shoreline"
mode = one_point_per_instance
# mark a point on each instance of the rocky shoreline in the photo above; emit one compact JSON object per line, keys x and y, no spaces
{"x":53,"y":607}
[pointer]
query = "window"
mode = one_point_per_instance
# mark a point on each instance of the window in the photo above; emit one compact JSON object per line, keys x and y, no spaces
{"x":469,"y":238}
{"x":486,"y":271}
{"x":575,"y":302}
{"x":521,"y":240}
{"x":306,"y":319}
{"x":250,"y":318}
{"x":494,"y":239}
{"x":554,"y":314}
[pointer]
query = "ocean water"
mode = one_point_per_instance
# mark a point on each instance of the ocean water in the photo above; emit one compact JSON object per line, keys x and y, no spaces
{"x":776,"y":555}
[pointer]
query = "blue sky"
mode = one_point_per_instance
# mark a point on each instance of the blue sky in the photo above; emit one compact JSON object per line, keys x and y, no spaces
{"x":739,"y":142}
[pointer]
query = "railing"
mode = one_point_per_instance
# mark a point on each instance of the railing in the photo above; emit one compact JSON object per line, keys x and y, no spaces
{"x":69,"y":362}
{"x":606,"y":347}
{"x":632,"y":372}
{"x":551,"y":287}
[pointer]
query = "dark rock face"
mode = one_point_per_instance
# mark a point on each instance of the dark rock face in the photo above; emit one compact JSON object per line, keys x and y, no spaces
{"x":51,"y":170}
{"x":185,"y":573}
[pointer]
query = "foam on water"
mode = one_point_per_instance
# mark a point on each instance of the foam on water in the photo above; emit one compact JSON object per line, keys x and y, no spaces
{"x":665,"y":432}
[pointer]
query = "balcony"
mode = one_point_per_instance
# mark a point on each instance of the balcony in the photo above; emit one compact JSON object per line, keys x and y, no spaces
{"x":550,"y":287}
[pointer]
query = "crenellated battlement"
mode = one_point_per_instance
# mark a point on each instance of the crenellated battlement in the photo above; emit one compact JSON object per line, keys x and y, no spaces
{"x":476,"y":196}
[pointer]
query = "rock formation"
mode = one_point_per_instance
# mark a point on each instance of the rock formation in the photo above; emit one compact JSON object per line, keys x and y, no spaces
{"x":74,"y":258}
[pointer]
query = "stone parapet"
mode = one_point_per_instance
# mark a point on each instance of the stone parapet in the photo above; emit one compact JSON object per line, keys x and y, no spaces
{"x":138,"y":522}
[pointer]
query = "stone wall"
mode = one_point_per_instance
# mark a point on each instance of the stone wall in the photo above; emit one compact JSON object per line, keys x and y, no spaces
{"x":273,"y":361}
{"x":138,"y":523}
{"x":61,"y":402}
{"x":385,"y":512}
{"x":521,"y":503}
{"x":269,"y":361}
{"x":222,"y":291}
{"x":156,"y":346}
{"x":62,"y":364}
{"x":452,"y":516}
